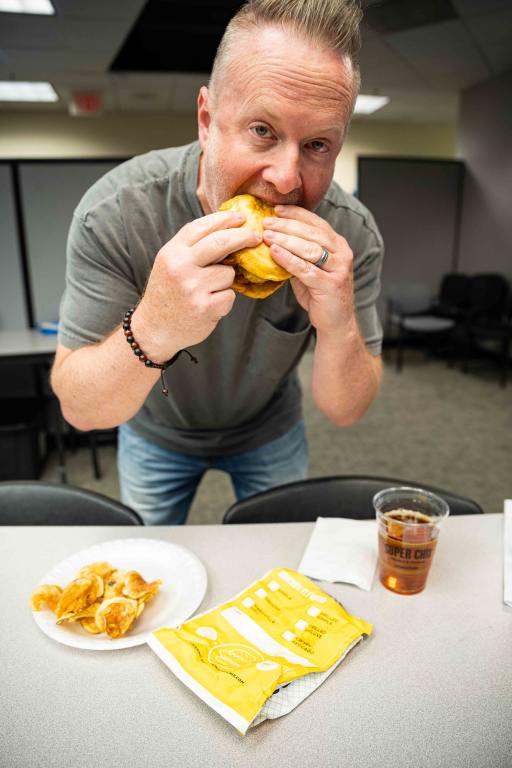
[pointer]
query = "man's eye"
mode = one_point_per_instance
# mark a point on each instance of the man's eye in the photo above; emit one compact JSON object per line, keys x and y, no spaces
{"x":319,"y":146}
{"x":261,"y":130}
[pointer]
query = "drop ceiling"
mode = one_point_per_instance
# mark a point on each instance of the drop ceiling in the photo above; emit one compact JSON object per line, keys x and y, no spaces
{"x":154,"y":55}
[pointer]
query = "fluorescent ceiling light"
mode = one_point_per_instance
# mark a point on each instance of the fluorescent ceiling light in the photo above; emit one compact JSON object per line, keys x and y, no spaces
{"x":27,"y":6}
{"x":13,"y":90}
{"x":365,"y":105}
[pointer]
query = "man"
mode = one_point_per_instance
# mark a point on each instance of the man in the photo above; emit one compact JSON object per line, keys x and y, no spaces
{"x":148,"y":236}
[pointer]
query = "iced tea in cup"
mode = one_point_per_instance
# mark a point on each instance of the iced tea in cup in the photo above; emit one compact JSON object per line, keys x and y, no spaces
{"x":408,"y":522}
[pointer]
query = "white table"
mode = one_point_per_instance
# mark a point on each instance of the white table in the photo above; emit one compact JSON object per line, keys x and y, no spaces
{"x":432,"y":686}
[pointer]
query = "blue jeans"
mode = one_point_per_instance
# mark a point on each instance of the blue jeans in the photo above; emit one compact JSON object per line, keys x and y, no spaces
{"x":160,"y":483}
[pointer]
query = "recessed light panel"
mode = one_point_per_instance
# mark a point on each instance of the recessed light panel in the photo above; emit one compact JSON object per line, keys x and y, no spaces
{"x":43,"y":7}
{"x":13,"y":90}
{"x":365,"y":105}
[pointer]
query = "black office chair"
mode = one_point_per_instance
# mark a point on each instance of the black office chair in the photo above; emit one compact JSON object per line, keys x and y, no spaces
{"x":489,"y":319}
{"x":340,"y":496}
{"x":432,"y":323}
{"x":35,"y":503}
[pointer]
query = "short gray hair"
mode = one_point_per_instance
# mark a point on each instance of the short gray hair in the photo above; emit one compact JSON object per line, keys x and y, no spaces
{"x":332,"y":23}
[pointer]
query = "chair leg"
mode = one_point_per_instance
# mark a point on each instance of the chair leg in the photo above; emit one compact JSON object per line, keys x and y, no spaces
{"x":467,"y":349}
{"x":400,"y":351}
{"x":505,"y":361}
{"x":61,"y":451}
{"x":94,"y":456}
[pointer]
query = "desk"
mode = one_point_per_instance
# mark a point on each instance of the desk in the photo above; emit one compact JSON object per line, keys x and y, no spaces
{"x":31,"y":347}
{"x":431,"y":687}
{"x":27,"y":346}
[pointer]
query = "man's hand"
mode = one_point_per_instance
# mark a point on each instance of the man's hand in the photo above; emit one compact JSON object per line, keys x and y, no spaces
{"x":346,"y":377}
{"x":188,"y":291}
{"x":297,"y":238}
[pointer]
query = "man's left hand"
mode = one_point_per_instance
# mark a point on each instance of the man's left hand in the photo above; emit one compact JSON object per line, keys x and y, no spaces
{"x":297,"y":238}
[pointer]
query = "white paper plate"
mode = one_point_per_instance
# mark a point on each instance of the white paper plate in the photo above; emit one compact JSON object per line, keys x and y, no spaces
{"x":184,"y":585}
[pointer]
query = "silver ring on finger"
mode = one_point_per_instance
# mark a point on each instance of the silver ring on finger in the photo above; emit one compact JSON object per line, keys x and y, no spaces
{"x":323,"y":258}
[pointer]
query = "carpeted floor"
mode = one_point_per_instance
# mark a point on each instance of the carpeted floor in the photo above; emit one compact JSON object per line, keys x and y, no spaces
{"x":430,"y":424}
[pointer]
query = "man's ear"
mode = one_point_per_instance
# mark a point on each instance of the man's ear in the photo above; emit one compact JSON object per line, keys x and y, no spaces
{"x":203,"y":115}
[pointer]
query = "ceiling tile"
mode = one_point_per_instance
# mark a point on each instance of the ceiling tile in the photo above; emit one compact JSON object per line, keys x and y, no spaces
{"x":384,"y":78}
{"x":376,"y":52}
{"x":491,"y":27}
{"x":472,"y":7}
{"x":49,"y":34}
{"x":434,"y":106}
{"x":40,"y":64}
{"x":434,"y":40}
{"x":393,"y":15}
{"x":453,"y":72}
{"x":423,"y":68}
{"x":499,"y":57}
{"x":100,"y":9}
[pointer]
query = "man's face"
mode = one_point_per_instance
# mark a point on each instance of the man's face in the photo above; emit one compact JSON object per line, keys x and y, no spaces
{"x":277,"y":124}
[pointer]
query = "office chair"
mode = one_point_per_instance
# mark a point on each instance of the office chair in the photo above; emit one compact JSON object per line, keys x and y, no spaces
{"x":430,"y":320}
{"x":489,"y":318}
{"x":37,"y":503}
{"x":339,"y":496}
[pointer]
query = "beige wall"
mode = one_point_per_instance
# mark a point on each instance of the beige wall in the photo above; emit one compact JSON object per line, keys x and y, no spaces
{"x":392,"y":139}
{"x":34,"y":134}
{"x":113,"y":134}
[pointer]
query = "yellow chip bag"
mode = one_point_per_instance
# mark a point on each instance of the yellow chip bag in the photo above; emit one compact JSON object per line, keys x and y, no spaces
{"x":242,"y":657}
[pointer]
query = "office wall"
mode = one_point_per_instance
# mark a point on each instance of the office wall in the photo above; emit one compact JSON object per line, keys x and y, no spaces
{"x":395,"y":140}
{"x":113,"y":134}
{"x":415,"y":204}
{"x":35,"y":134}
{"x":485,"y":144}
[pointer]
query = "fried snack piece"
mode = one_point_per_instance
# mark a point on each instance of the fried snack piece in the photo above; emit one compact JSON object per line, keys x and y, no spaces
{"x":256,"y":273}
{"x":101,"y":598}
{"x":100,"y":568}
{"x":114,"y":584}
{"x":136,"y":587}
{"x":46,"y":596}
{"x":79,"y":594}
{"x":86,"y":613}
{"x":90,"y":626}
{"x":115,"y":616}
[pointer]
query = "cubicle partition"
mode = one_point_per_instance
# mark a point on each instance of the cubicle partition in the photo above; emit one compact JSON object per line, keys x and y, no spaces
{"x":13,"y":305}
{"x":37,"y":199}
{"x":416,"y":203}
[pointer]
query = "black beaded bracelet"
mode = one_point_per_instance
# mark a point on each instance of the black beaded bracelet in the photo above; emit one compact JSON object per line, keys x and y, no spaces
{"x":127,"y":328}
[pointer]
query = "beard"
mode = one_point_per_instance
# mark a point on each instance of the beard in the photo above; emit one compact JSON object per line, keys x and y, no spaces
{"x":270,"y":195}
{"x":217,"y":188}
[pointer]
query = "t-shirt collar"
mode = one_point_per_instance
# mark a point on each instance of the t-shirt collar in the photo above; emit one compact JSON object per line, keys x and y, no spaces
{"x":190,"y":178}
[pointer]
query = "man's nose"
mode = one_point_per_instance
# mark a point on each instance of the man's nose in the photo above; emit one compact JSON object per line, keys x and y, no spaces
{"x":283,"y":172}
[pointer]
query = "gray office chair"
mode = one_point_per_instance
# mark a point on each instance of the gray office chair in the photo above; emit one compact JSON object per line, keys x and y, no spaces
{"x":36,"y":503}
{"x":340,"y":496}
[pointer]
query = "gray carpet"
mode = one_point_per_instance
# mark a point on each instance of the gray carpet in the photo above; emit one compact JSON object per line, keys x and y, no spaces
{"x":430,"y":424}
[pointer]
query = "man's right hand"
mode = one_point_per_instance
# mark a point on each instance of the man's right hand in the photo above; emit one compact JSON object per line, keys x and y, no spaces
{"x":188,"y":291}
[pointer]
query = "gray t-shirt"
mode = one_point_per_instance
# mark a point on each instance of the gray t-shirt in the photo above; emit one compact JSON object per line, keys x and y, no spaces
{"x":245,"y":390}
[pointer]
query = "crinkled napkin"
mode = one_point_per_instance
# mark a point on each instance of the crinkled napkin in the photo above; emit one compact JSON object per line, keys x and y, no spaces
{"x":507,"y":553}
{"x":342,"y":550}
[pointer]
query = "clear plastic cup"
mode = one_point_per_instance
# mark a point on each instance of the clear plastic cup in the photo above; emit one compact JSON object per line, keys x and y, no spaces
{"x":408,"y":521}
